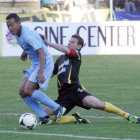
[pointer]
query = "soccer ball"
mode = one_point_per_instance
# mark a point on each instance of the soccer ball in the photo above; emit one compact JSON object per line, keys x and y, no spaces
{"x":27,"y":121}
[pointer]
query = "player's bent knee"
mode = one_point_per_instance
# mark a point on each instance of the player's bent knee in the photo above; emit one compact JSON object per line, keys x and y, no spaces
{"x":22,"y":93}
{"x":28,"y":92}
{"x":93,"y":102}
{"x":98,"y":105}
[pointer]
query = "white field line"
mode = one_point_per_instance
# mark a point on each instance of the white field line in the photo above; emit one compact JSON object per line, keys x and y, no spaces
{"x":103,"y":117}
{"x":100,"y":117}
{"x":63,"y":135}
{"x":10,"y":114}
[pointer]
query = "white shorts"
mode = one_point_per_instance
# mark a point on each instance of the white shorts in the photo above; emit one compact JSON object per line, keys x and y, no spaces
{"x":33,"y":71}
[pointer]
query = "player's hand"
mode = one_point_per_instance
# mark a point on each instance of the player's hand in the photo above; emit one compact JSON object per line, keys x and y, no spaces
{"x":40,"y":78}
{"x":24,"y":56}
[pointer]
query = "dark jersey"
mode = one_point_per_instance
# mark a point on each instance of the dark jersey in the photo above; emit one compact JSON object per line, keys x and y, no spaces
{"x":67,"y":68}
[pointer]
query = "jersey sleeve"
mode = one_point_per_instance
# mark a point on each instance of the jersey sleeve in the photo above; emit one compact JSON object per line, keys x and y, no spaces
{"x":75,"y":54}
{"x":35,"y":43}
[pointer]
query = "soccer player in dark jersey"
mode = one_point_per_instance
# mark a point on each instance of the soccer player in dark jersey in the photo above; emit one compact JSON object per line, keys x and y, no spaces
{"x":70,"y":91}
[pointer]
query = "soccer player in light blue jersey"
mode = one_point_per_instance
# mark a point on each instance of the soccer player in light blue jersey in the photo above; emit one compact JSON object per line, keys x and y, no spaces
{"x":40,"y":71}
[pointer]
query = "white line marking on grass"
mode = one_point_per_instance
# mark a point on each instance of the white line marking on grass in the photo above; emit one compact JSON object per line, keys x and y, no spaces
{"x":100,"y":117}
{"x":63,"y":135}
{"x":103,"y":117}
{"x":10,"y":114}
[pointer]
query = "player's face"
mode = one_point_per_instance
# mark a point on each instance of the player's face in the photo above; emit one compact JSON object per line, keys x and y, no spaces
{"x":13,"y":26}
{"x":73,"y":44}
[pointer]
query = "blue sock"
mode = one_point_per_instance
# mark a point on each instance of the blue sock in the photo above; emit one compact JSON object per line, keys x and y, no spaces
{"x":44,"y":99}
{"x":35,"y":106}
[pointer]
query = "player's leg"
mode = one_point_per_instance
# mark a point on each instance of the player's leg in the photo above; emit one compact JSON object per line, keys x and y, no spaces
{"x":76,"y":118}
{"x":63,"y":119}
{"x":32,"y":103}
{"x":93,"y":102}
{"x":22,"y":86}
{"x":41,"y":96}
{"x":65,"y":101}
{"x":89,"y":101}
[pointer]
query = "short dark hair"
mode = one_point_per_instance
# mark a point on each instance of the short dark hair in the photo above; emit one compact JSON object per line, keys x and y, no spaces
{"x":13,"y":15}
{"x":80,"y":39}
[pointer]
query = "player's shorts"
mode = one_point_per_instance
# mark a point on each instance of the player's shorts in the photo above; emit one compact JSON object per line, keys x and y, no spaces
{"x":71,"y":96}
{"x":33,"y":71}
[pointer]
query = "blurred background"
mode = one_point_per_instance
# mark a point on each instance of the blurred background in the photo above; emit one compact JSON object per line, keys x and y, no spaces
{"x":64,"y":10}
{"x":97,"y":21}
{"x":56,"y":10}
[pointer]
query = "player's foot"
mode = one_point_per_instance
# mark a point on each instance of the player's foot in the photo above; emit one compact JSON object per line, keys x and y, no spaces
{"x":133,"y":119}
{"x":59,"y":112}
{"x":45,"y":120}
{"x":80,"y":119}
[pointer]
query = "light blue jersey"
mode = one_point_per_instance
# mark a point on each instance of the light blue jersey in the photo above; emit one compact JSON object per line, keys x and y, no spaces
{"x":30,"y":41}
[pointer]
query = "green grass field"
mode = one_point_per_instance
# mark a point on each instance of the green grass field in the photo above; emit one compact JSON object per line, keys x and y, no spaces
{"x":115,"y":79}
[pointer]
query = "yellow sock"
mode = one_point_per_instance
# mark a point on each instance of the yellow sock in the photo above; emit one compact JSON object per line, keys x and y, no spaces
{"x":113,"y":109}
{"x":63,"y":119}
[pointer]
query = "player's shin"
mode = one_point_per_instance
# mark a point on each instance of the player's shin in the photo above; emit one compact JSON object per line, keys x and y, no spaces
{"x":35,"y":106}
{"x":44,"y":99}
{"x":63,"y":119}
{"x":113,"y":109}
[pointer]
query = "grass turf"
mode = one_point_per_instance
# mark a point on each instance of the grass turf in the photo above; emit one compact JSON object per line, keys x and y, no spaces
{"x":110,"y":78}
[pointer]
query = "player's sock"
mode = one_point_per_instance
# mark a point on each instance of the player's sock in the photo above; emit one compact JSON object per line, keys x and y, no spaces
{"x":63,"y":119}
{"x":35,"y":106}
{"x":44,"y":99}
{"x":113,"y":109}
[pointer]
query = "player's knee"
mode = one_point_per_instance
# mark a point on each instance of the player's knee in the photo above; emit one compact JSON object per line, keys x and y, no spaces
{"x":98,"y":105}
{"x":22,"y":93}
{"x":28,"y":92}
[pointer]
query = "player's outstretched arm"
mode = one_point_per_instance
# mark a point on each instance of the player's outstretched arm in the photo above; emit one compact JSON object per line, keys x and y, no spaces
{"x":58,"y":47}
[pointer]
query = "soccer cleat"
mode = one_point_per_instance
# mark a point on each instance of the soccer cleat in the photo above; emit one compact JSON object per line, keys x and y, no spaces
{"x":45,"y":120}
{"x":80,"y":119}
{"x":133,"y":119}
{"x":59,"y":112}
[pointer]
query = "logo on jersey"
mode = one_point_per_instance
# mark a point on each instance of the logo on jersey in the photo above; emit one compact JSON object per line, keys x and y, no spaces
{"x":80,"y":90}
{"x":62,"y":68}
